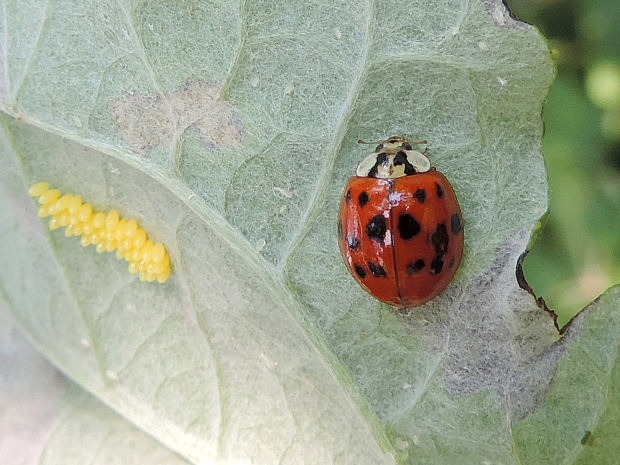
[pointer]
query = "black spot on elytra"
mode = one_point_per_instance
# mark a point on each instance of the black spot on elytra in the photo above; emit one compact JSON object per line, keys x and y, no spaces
{"x":406,"y":145}
{"x":439,"y":190}
{"x":340,"y":229}
{"x":436,"y":265}
{"x":408,"y":226}
{"x":416,"y":267}
{"x":451,"y":262}
{"x":420,"y":195}
{"x":353,"y":242}
{"x":361,"y":272}
{"x":347,"y":197}
{"x":381,"y":160}
{"x":363,"y":198}
{"x":377,"y":270}
{"x":455,"y":223}
{"x":401,"y":159}
{"x":376,"y":228}
{"x":440,"y":241}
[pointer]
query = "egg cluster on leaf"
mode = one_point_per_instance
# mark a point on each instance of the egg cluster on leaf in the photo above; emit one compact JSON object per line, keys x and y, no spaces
{"x":106,"y":231}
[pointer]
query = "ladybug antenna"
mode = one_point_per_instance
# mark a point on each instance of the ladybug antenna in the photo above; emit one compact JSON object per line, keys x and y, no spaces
{"x":394,"y":139}
{"x":414,"y":142}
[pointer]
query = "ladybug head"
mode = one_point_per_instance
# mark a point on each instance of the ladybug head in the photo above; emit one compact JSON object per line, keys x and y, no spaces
{"x":393,"y":158}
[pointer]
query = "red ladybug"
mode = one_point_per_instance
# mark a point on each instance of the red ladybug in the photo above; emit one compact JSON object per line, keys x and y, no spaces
{"x":400,"y":228}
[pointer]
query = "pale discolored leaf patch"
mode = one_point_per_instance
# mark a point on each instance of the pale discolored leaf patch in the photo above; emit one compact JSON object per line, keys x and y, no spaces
{"x":147,"y":121}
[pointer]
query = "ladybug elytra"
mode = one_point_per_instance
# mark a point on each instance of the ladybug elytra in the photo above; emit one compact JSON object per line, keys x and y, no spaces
{"x":400,"y":228}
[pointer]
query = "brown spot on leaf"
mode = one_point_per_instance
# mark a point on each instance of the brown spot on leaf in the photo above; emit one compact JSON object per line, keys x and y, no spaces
{"x":587,"y":439}
{"x":523,"y":284}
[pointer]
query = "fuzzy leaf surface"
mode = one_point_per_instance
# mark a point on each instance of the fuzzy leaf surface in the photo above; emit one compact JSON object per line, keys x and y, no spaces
{"x":227,"y":129}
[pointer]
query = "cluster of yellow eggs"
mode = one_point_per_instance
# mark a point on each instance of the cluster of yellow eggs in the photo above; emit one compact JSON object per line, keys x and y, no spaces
{"x":106,"y":231}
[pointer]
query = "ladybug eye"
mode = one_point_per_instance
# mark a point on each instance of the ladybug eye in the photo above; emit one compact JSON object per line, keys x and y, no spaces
{"x":418,"y":160}
{"x":366,"y":165}
{"x":401,"y":159}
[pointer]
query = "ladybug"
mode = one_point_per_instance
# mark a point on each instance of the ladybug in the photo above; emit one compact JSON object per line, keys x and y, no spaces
{"x":400,"y":228}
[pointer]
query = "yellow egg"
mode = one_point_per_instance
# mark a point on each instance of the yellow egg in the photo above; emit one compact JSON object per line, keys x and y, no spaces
{"x":163,"y":276}
{"x":100,"y":247}
{"x":43,"y":211}
{"x":53,"y":207}
{"x":132,"y":227}
{"x":85,"y":212}
{"x":158,"y":252}
{"x":134,"y":255}
{"x":38,"y":189}
{"x":49,"y":196}
{"x":74,"y":204}
{"x":60,"y":204}
{"x":63,"y":202}
{"x":147,"y":250}
{"x":99,"y":220}
{"x":111,"y":220}
{"x":63,"y":218}
{"x":88,"y":227}
{"x":119,"y":231}
{"x":78,"y":229}
{"x":161,"y":267}
{"x":139,"y":239}
{"x":84,"y":241}
{"x":54,"y":223}
{"x":133,"y":267}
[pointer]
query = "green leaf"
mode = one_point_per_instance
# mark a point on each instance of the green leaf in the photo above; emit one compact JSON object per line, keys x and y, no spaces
{"x":47,"y":420}
{"x":228,"y":130}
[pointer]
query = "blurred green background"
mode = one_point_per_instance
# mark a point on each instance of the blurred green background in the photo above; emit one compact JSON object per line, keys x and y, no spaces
{"x":576,"y":256}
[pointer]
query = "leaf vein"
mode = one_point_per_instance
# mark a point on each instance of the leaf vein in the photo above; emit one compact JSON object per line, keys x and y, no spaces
{"x":37,"y":44}
{"x":317,"y":196}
